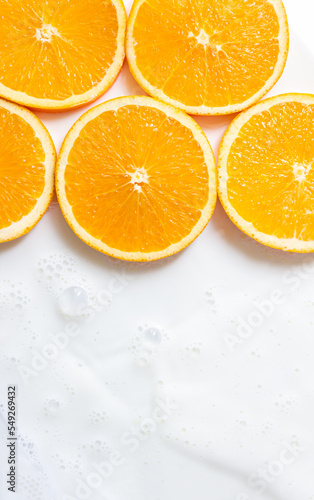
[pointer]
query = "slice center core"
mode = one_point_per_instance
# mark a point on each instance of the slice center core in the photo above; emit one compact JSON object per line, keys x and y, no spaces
{"x":300,"y":171}
{"x":202,"y":37}
{"x":46,"y":32}
{"x":138,"y":178}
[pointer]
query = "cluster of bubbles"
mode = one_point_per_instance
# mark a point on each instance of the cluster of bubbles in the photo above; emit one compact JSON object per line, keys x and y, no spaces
{"x":31,"y":487}
{"x":31,"y":334}
{"x":267,"y":428}
{"x":59,"y":271}
{"x":68,"y":464}
{"x":35,"y":485}
{"x":9,"y":361}
{"x":147,"y":343}
{"x":95,"y":448}
{"x":285,"y":406}
{"x":13,"y":297}
{"x":210,"y":300}
{"x":27,"y":445}
{"x":193,"y":350}
{"x":70,"y":390}
{"x":97,"y":417}
{"x":29,"y":450}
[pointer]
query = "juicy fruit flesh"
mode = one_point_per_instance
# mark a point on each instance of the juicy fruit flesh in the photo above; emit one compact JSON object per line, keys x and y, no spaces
{"x":136,"y":179}
{"x":270,"y":171}
{"x":207,"y":53}
{"x":56,"y":49}
{"x":22,"y":170}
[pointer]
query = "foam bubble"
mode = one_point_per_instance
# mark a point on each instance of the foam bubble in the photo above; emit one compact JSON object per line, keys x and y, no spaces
{"x":73,"y":301}
{"x":152,"y":336}
{"x":52,"y":406}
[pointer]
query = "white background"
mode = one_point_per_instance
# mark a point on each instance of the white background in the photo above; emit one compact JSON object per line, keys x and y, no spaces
{"x":234,"y":411}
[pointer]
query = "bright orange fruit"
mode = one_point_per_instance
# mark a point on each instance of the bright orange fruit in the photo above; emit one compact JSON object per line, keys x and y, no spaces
{"x":207,"y":57}
{"x":266,"y":173}
{"x":56,"y":55}
{"x":136,"y":179}
{"x":27,"y":164}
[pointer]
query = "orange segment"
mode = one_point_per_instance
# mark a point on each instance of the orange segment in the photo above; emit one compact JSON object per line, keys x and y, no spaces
{"x":205,"y":57}
{"x":136,"y":179}
{"x":26,"y":170}
{"x":57,"y":55}
{"x":266,"y":172}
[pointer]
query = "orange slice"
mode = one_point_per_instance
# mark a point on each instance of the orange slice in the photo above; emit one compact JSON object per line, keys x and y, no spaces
{"x":266,"y":172}
{"x":27,"y":164}
{"x":136,"y":179}
{"x":207,"y":57}
{"x":58,"y":55}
